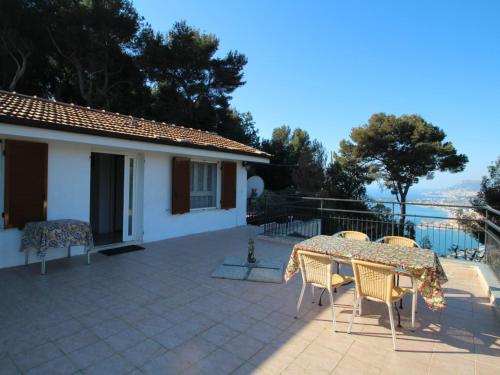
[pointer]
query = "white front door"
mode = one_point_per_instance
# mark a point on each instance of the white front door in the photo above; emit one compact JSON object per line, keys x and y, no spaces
{"x":129,"y":199}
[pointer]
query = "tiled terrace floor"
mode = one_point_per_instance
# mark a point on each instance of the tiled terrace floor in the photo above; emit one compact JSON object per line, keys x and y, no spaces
{"x":158,"y":312}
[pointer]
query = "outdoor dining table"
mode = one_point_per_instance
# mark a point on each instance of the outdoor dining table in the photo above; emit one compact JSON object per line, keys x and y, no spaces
{"x":55,"y":234}
{"x":422,"y":264}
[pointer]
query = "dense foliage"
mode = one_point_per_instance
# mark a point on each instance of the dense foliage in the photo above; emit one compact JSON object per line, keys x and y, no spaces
{"x":489,"y":194}
{"x":102,"y":53}
{"x":296,"y":161}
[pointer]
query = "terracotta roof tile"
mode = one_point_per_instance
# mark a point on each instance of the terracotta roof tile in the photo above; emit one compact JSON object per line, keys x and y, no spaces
{"x":46,"y":114}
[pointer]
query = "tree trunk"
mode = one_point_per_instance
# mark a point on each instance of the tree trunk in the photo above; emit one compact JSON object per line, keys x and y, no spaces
{"x":402,"y":211}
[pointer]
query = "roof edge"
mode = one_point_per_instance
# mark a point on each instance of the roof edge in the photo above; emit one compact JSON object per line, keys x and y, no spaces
{"x":106,"y":133}
{"x":95,"y":110}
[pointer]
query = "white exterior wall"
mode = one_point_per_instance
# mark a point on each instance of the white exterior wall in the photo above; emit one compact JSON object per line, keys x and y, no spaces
{"x":68,"y":197}
{"x":69,"y":191}
{"x":159,"y":223}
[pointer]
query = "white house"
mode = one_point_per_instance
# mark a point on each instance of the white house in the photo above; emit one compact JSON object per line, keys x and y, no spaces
{"x":134,"y":180}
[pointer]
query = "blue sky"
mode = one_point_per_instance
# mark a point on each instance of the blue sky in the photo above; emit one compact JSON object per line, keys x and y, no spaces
{"x":326,"y":66}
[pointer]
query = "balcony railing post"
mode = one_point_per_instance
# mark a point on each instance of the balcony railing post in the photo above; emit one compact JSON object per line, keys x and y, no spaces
{"x":321,"y":214}
{"x":393,"y":219}
{"x":486,"y":250}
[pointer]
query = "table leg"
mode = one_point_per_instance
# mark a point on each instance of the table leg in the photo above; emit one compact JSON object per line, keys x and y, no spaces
{"x":399,"y":316}
{"x":401,"y":300}
{"x":321,"y":295}
{"x":44,"y":266}
{"x":338,"y":271}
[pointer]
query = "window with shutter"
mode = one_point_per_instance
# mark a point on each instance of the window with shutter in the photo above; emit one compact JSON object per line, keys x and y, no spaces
{"x":25,"y":195}
{"x":203,"y":185}
{"x":180,"y":185}
{"x":228,"y":193}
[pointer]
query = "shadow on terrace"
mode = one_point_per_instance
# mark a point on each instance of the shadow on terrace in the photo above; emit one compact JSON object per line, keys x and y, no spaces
{"x":158,"y":311}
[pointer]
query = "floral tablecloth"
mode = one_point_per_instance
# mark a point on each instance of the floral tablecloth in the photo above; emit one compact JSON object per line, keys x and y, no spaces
{"x":42,"y":235}
{"x":422,"y":264}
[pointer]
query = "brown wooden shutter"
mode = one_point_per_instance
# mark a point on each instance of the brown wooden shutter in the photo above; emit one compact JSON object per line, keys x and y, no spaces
{"x":180,"y":185}
{"x":25,"y":182}
{"x":228,"y":193}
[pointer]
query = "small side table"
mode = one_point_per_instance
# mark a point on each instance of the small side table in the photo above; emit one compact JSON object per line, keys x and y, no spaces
{"x":55,"y":234}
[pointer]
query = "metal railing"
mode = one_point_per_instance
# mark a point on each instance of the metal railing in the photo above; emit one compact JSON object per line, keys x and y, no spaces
{"x":457,"y":231}
{"x":492,"y":239}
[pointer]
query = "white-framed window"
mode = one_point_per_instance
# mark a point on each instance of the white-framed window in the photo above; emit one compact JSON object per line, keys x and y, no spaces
{"x":203,"y":189}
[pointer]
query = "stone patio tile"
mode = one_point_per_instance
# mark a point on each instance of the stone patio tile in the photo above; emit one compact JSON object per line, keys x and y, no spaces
{"x":37,"y":356}
{"x":165,"y":364}
{"x":263,"y":332}
{"x":91,"y":354}
{"x":173,"y":337}
{"x":486,"y":369}
{"x":338,"y":342}
{"x":152,"y":325}
{"x":219,"y":362}
{"x":318,"y":358}
{"x":463,"y":345}
{"x":123,"y":308}
{"x":451,"y":364}
{"x":109,"y":327}
{"x":94,"y":318}
{"x":8,"y":366}
{"x":488,"y":353}
{"x":63,"y":329}
{"x":58,"y":366}
{"x":217,"y":315}
{"x":198,"y":323}
{"x":160,"y":307}
{"x":194,"y":350}
{"x":291,"y":343}
{"x":77,"y":341}
{"x":257,"y":312}
{"x":179,"y":314}
{"x":115,"y":365}
{"x":193,"y":370}
{"x":138,"y":315}
{"x":143,"y":352}
{"x":240,"y":322}
{"x":407,"y":362}
{"x":272,"y":359}
{"x":350,"y":365}
{"x":125,"y":339}
{"x":219,"y":334}
{"x":25,"y":341}
{"x":249,"y":369}
{"x":279,"y":320}
{"x":243,"y":346}
{"x":368,"y":354}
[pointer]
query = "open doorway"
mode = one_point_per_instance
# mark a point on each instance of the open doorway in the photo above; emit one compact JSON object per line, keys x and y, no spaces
{"x":106,"y":197}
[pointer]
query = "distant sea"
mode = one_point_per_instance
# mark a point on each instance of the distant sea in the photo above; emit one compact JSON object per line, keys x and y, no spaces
{"x":441,"y":239}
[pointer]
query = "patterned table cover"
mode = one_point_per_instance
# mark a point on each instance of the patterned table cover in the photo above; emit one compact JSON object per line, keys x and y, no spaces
{"x":42,"y":235}
{"x":422,"y":264}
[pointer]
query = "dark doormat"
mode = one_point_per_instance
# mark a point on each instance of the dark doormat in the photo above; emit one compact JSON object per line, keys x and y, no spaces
{"x":121,"y":250}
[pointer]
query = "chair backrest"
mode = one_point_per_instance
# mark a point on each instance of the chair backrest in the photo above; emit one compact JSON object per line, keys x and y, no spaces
{"x":399,"y":241}
{"x":316,"y":268}
{"x":352,"y":234}
{"x":373,"y":280}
